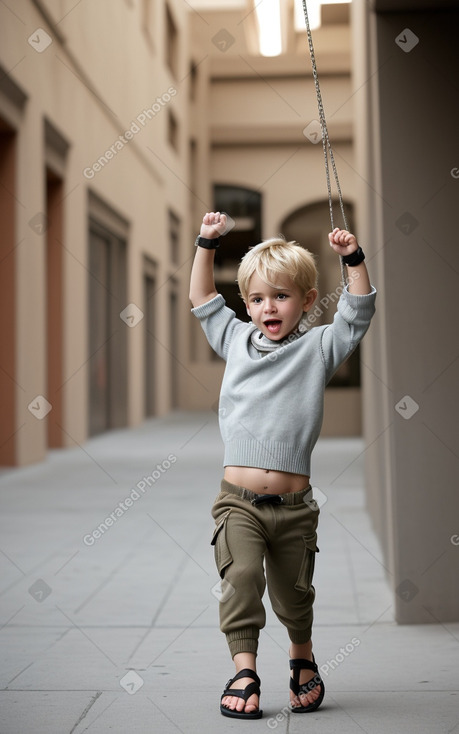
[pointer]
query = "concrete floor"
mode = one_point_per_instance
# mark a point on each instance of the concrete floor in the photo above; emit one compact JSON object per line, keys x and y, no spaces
{"x":118,"y":631}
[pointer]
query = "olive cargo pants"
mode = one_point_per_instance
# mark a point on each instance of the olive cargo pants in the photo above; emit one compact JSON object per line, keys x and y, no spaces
{"x":284,"y":537}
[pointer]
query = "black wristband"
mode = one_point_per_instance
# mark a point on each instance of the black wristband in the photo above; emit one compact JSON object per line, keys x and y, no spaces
{"x":355,"y":258}
{"x":207,"y":244}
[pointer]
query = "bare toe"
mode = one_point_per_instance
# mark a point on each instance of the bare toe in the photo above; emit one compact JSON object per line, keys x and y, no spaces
{"x":236,"y":703}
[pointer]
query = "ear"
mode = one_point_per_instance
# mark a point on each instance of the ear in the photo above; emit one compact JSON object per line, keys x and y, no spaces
{"x":309,"y":299}
{"x":247,"y":308}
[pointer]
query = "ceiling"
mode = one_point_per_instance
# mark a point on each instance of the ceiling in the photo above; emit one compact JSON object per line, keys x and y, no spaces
{"x":403,"y":6}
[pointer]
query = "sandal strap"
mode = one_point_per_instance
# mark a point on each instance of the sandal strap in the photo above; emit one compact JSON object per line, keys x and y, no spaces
{"x":246,"y":692}
{"x":297,"y":665}
{"x":245,"y":673}
{"x":302,"y":664}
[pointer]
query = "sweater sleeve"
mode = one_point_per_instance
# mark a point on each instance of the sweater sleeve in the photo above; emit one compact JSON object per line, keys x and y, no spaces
{"x":350,"y":324}
{"x":219,"y":324}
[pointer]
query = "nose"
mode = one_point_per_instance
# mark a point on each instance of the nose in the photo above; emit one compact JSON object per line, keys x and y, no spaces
{"x":270,"y":305}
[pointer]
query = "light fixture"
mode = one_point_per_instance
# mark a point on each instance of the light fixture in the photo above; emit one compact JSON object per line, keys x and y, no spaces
{"x":269,"y":27}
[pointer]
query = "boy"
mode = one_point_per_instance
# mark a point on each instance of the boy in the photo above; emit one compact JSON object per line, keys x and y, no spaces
{"x":271,"y":407}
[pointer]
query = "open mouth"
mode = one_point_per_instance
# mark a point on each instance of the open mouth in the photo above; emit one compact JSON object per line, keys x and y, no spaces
{"x":273,"y":325}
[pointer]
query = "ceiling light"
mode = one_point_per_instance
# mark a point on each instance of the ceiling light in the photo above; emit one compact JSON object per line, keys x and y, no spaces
{"x":269,"y":27}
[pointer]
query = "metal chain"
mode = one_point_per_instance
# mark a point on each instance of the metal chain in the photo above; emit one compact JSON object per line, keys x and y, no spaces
{"x":326,"y":144}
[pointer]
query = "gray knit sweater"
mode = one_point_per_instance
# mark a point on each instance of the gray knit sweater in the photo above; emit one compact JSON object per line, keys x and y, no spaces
{"x":271,"y":402}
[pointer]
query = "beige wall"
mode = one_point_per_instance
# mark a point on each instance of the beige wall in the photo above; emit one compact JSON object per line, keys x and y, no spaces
{"x":407,"y":117}
{"x":94,"y":79}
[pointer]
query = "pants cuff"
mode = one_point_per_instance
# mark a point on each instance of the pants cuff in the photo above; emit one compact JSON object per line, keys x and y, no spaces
{"x":299,"y":637}
{"x":243,"y":640}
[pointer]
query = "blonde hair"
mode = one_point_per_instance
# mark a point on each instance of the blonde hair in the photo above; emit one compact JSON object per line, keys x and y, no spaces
{"x":276,"y":257}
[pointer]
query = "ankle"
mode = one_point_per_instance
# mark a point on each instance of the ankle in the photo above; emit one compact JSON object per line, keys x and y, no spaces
{"x":245,"y":660}
{"x":303,"y":650}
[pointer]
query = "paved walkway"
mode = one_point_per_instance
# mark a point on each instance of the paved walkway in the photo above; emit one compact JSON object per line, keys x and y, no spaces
{"x":109,"y":614}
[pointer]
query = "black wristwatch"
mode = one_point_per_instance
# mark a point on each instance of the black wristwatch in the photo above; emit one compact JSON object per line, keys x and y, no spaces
{"x":207,"y":244}
{"x":355,"y":258}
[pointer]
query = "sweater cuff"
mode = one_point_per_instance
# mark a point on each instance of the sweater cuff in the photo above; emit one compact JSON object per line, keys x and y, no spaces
{"x":208,"y":308}
{"x":353,"y":305}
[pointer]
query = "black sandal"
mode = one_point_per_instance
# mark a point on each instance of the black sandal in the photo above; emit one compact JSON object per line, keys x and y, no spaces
{"x":297,"y":665}
{"x":244,"y":693}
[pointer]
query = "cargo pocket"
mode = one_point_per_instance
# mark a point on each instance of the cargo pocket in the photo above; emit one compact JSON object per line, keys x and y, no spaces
{"x":223,"y":556}
{"x":306,"y":573}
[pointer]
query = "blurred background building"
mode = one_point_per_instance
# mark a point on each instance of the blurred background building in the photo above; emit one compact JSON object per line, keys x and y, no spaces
{"x":122,"y":122}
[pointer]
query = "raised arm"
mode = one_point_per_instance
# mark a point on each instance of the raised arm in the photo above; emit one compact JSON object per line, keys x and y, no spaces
{"x":345,"y":244}
{"x":202,"y":283}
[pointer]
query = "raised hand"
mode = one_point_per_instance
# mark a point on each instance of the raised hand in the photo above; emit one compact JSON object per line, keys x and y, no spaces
{"x":343,"y":242}
{"x":213,"y":225}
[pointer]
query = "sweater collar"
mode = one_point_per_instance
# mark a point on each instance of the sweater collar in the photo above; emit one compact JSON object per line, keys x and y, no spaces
{"x":265,"y":345}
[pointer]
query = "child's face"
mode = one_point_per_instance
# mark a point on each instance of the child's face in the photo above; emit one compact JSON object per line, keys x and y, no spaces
{"x":277,"y":311}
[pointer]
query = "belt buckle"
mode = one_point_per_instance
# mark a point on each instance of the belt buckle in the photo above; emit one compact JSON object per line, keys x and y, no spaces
{"x":271,"y":499}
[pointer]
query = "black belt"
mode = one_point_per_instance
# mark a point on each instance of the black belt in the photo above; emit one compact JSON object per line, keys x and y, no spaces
{"x":268,"y":499}
{"x":287,"y":498}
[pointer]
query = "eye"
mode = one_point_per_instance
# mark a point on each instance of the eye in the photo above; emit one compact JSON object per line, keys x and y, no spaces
{"x":282,"y":296}
{"x":256,"y":299}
